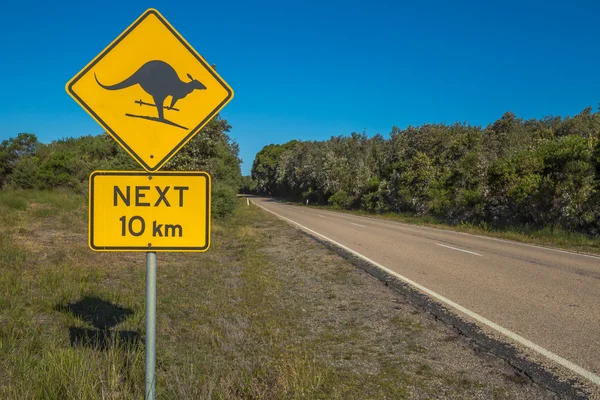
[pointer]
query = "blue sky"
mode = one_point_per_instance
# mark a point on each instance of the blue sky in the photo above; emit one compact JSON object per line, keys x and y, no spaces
{"x":313,"y":69}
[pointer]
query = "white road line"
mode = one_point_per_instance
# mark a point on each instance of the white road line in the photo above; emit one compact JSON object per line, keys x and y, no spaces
{"x":466,"y":234}
{"x":454,"y":248}
{"x":362,"y":226}
{"x":514,"y":336}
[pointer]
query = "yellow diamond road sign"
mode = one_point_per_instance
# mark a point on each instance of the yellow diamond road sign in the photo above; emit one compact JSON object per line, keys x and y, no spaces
{"x":150,"y":90}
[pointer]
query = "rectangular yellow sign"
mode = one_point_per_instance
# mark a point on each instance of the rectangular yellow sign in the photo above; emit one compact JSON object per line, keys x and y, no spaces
{"x":150,"y":212}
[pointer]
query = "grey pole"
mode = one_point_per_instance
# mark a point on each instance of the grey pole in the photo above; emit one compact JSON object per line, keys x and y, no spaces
{"x":150,"y":326}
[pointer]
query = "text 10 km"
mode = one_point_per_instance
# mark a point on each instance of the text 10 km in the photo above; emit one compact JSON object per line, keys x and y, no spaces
{"x":136,"y":226}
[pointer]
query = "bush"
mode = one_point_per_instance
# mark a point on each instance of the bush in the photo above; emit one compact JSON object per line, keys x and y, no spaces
{"x":248,"y":185}
{"x":25,"y":174}
{"x":513,"y":172}
{"x":67,"y":163}
{"x":341,"y":199}
{"x":224,"y":200}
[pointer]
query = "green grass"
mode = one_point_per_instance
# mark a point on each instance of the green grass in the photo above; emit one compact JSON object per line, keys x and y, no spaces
{"x":549,"y":237}
{"x":60,"y":199}
{"x":264,"y":314}
{"x":12,"y":200}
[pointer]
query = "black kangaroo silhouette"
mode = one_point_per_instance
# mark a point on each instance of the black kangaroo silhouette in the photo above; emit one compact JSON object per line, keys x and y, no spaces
{"x":159,"y":80}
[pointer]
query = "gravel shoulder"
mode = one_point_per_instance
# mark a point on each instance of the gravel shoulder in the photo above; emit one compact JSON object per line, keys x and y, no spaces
{"x":367,"y":327}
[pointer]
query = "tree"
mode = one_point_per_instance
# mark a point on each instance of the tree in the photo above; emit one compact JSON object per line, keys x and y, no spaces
{"x":531,"y":172}
{"x":67,"y":163}
{"x":25,"y":144}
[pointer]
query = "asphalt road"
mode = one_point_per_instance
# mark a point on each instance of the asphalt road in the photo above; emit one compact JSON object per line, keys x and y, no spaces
{"x":546,"y":300}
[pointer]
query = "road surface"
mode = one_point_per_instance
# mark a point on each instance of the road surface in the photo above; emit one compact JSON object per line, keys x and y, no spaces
{"x":546,"y":300}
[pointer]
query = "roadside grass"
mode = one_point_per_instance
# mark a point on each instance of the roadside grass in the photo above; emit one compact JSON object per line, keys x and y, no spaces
{"x":548,"y":236}
{"x":266,"y":313}
{"x":59,"y":199}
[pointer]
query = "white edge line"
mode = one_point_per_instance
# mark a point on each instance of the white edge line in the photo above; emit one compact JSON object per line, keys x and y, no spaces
{"x":463,"y":233}
{"x":514,"y":336}
{"x":454,"y":248}
{"x":362,"y":226}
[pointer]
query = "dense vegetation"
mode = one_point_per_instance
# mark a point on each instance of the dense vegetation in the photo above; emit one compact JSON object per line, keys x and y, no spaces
{"x":536,"y":173}
{"x":25,"y":163}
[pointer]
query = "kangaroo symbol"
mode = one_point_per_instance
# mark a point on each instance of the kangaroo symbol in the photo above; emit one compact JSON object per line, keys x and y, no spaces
{"x":159,"y":80}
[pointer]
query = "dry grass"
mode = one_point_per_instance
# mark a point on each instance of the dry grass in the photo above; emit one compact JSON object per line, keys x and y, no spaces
{"x":266,"y":313}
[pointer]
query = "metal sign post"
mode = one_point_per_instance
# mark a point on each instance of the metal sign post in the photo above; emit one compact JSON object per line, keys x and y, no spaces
{"x":124,"y":89}
{"x":150,"y":325}
{"x":151,"y":213}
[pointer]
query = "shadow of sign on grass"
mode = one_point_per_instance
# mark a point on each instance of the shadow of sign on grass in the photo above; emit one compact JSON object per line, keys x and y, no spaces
{"x":103,"y":316}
